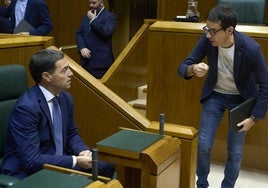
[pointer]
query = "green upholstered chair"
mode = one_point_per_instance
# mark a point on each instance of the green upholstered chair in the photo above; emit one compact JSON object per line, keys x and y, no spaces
{"x":13,"y":82}
{"x":249,"y":11}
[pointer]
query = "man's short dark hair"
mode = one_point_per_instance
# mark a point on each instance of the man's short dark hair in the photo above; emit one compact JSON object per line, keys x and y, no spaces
{"x":44,"y":61}
{"x":224,"y":15}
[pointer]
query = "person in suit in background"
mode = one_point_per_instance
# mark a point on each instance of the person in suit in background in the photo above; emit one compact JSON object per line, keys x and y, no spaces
{"x":236,"y":71}
{"x":35,"y":12}
{"x":94,"y":39}
{"x":31,"y":138}
{"x":5,"y":22}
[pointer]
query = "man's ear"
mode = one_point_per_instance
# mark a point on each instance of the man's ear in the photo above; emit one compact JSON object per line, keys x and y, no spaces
{"x":230,"y":29}
{"x":46,"y":76}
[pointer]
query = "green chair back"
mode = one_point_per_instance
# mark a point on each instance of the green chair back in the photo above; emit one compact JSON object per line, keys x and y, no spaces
{"x":13,"y":82}
{"x":249,"y":11}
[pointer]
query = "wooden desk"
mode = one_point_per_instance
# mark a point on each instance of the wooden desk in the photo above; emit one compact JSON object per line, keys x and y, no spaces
{"x":144,"y":159}
{"x":48,"y":178}
{"x":53,"y":176}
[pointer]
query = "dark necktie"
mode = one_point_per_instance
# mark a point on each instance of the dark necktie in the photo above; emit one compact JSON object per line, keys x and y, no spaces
{"x":57,"y":126}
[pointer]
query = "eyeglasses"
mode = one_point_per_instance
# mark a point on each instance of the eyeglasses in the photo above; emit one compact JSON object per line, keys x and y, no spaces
{"x":212,"y":32}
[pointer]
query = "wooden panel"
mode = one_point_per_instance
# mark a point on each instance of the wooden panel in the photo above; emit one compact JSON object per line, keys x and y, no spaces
{"x":169,"y":178}
{"x":188,"y":137}
{"x":95,"y":125}
{"x":179,"y":99}
{"x":168,"y":92}
{"x":15,"y":49}
{"x":131,"y":66}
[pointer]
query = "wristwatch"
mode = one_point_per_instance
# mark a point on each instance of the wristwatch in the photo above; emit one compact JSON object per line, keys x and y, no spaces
{"x":253,"y":118}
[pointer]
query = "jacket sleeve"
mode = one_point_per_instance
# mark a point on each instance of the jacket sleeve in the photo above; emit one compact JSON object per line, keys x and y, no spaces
{"x":197,"y":54}
{"x":104,"y":24}
{"x":80,"y":42}
{"x":41,"y":20}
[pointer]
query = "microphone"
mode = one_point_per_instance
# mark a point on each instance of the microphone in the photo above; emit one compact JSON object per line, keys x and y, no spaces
{"x":94,"y":164}
{"x":161,"y":124}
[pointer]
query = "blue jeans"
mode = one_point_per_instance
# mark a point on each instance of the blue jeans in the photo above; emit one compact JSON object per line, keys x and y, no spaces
{"x":212,"y":112}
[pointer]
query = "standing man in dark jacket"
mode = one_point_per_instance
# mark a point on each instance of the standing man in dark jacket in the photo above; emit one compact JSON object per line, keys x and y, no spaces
{"x":35,"y":12}
{"x":94,"y":39}
{"x":236,"y":71}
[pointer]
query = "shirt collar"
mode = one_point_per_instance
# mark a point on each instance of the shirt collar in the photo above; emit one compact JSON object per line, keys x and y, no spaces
{"x":48,"y":95}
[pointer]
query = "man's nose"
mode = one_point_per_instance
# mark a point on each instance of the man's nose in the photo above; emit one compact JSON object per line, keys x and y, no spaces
{"x":70,"y":73}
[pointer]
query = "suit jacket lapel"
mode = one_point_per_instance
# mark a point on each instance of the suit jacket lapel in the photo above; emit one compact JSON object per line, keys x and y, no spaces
{"x":44,"y":106}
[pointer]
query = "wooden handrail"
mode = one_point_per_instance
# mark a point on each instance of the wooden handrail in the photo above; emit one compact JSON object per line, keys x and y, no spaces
{"x":11,"y":40}
{"x":67,"y":47}
{"x":71,"y":171}
{"x":101,"y":182}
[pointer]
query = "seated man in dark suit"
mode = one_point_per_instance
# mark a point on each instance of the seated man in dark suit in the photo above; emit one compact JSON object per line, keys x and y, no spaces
{"x":36,"y":135}
{"x":35,"y":12}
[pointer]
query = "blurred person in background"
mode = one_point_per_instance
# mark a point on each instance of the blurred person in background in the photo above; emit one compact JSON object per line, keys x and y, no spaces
{"x":34,"y":12}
